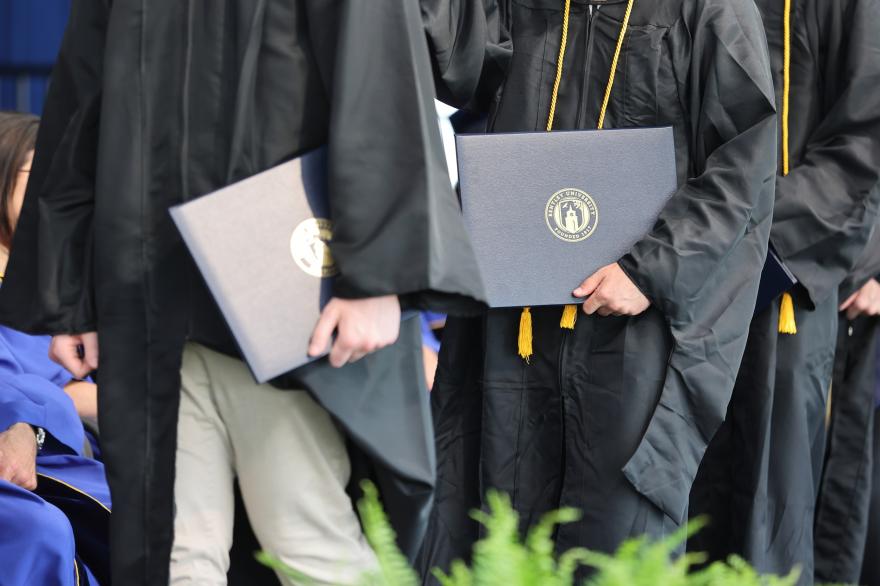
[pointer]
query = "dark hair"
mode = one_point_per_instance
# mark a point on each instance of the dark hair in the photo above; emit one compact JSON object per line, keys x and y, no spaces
{"x":18,"y":136}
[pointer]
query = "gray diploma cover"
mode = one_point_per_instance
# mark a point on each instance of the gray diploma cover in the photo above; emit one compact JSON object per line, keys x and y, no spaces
{"x":546,"y":209}
{"x":261,"y":245}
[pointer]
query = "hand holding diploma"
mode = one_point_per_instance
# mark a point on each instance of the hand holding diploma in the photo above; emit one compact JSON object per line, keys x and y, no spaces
{"x":363,"y":326}
{"x":610,"y":291}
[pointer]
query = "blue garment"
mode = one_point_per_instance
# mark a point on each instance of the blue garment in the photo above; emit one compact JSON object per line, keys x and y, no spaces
{"x":47,"y":556}
{"x":61,"y":529}
{"x":33,"y":389}
{"x":429,"y":338}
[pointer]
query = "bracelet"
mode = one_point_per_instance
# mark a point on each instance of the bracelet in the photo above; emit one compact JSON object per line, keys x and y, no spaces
{"x":40,"y":435}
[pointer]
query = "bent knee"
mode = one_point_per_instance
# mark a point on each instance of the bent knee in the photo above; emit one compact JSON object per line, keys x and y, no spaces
{"x":35,"y":523}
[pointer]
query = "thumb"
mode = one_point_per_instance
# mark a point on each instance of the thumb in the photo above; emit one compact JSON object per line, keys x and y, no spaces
{"x":323,"y":332}
{"x":849,"y":301}
{"x":90,"y":350}
{"x":590,"y":284}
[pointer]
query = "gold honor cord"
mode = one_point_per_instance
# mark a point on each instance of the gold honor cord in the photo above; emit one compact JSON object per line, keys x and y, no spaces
{"x":569,"y":313}
{"x":787,"y":324}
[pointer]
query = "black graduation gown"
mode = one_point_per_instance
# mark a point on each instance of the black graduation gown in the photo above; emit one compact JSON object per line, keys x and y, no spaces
{"x":759,"y":479}
{"x":613,"y":417}
{"x":470,"y":50}
{"x":841,"y":525}
{"x":871,"y":565}
{"x":156,"y":102}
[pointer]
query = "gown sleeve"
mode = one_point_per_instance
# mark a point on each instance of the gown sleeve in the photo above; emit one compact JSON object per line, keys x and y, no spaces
{"x":734,"y":143}
{"x":397,"y":225}
{"x":866,"y":268}
{"x":825,"y":207}
{"x":48,"y":287}
{"x":702,"y":262}
{"x":28,"y":397}
{"x":470,"y":49}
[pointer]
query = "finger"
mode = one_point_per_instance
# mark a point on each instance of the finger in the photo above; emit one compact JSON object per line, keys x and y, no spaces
{"x":28,"y":481}
{"x":853,"y":312}
{"x":19,"y":479}
{"x":68,"y":357}
{"x":590,"y":284}
{"x":355,"y":356}
{"x":58,"y":349}
{"x":340,"y":353}
{"x":392,"y":337}
{"x":605,"y":311}
{"x":632,"y":308}
{"x":324,"y":331}
{"x":593,"y":303}
{"x":90,"y":350}
{"x":849,"y":301}
{"x":53,"y":355}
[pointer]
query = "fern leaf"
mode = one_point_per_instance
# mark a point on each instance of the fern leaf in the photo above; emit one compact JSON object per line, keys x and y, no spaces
{"x":394,"y":569}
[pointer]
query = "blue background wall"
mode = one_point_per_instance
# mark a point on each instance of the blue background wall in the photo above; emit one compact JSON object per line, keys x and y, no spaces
{"x":30,"y":33}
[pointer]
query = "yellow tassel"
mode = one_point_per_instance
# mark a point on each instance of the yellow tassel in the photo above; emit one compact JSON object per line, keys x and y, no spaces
{"x":525,"y":334}
{"x":787,"y":324}
{"x":569,"y":317}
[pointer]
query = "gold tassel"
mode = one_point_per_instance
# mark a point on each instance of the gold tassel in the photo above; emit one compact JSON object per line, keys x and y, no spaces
{"x":787,"y":324}
{"x":525,"y":334}
{"x":569,"y":317}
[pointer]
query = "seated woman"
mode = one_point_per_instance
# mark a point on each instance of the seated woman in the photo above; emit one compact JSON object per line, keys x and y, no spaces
{"x":54,"y":500}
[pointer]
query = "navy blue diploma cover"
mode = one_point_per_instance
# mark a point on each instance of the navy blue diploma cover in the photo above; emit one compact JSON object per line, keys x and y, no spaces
{"x":261,"y":246}
{"x":545,"y":210}
{"x":776,"y":279}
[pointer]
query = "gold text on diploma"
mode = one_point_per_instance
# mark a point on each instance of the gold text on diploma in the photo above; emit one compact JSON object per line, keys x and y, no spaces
{"x":571,"y":215}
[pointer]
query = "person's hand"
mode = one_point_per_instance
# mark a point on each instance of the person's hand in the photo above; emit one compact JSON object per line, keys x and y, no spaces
{"x":18,"y":456}
{"x":65,"y":350}
{"x":611,"y":292}
{"x":362,"y":326}
{"x":865,"y":301}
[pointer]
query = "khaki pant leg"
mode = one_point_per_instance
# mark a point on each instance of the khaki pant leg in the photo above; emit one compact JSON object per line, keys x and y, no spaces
{"x":293,"y":469}
{"x":203,"y":486}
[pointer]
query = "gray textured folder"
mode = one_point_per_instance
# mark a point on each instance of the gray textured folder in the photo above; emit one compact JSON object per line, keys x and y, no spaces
{"x":261,"y":246}
{"x":546,"y":209}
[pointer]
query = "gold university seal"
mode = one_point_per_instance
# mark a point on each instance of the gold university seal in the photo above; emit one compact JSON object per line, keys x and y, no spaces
{"x":571,"y":215}
{"x":308,"y":246}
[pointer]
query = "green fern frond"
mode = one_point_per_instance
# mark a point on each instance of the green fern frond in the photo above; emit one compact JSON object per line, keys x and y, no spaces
{"x":460,"y":575}
{"x":501,"y":558}
{"x":270,"y":561}
{"x":569,"y":562}
{"x":498,"y":559}
{"x":394,"y":569}
{"x":541,"y":549}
